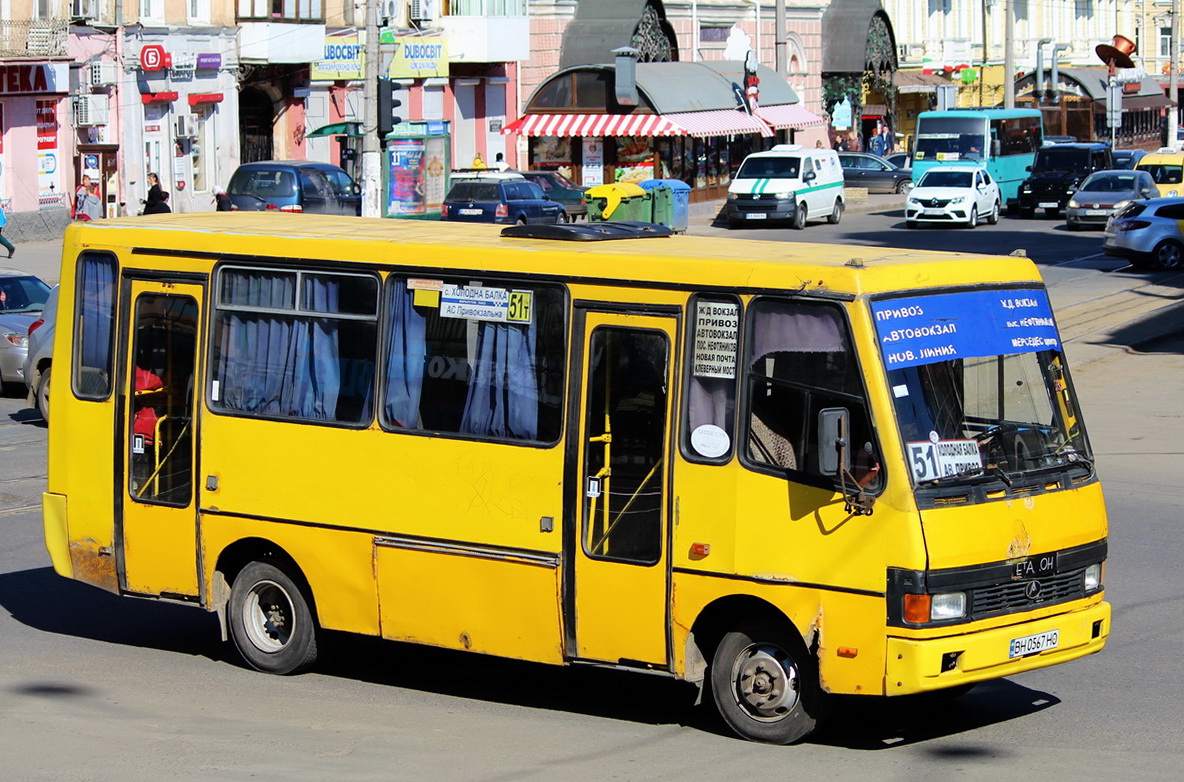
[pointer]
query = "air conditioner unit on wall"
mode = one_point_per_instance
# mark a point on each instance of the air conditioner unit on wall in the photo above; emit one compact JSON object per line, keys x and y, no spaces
{"x":84,"y":9}
{"x":391,"y":12}
{"x":90,"y":110}
{"x":103,"y":73}
{"x":184,"y":126}
{"x":421,"y":11}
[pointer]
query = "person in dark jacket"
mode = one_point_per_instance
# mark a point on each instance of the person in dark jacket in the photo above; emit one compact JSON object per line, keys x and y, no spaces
{"x":223,"y":200}
{"x":156,"y":199}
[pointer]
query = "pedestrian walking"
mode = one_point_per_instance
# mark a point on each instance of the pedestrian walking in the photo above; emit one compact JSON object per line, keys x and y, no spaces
{"x":4,"y":239}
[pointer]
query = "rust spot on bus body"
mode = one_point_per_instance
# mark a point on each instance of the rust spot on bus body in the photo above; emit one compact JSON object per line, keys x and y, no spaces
{"x":93,"y":565}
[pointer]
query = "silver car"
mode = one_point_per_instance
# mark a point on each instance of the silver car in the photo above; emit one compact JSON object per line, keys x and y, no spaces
{"x":22,"y":297}
{"x":40,"y":356}
{"x":1103,"y":192}
{"x":1147,"y":233}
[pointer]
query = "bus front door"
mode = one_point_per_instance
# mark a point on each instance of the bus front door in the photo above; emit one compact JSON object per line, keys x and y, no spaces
{"x":618,"y":550}
{"x":157,"y":530}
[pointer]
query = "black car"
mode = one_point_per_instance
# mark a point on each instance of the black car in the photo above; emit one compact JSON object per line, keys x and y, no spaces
{"x":560,"y":188}
{"x":500,"y":199}
{"x":875,"y":173}
{"x":1056,"y":174}
{"x":1128,"y":158}
{"x":294,"y":186}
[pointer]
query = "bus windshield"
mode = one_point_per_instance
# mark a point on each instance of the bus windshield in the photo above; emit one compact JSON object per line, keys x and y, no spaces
{"x":951,"y":138}
{"x":980,"y":396}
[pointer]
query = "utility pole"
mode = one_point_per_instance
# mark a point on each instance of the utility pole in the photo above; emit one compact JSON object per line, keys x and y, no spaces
{"x":1009,"y":57}
{"x":780,"y":45}
{"x":1173,"y":78}
{"x":371,"y":151}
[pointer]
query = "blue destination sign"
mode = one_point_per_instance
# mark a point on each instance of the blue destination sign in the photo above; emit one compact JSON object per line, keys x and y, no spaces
{"x":926,"y":329}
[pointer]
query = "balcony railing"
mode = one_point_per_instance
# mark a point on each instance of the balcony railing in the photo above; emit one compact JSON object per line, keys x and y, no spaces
{"x":33,"y":37}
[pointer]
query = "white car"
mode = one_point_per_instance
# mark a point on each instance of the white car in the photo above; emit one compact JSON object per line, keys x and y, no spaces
{"x":962,"y":195}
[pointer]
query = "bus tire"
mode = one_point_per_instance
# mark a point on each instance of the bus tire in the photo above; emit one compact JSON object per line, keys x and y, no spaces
{"x":270,"y":620}
{"x":799,"y":217}
{"x":765,"y":684}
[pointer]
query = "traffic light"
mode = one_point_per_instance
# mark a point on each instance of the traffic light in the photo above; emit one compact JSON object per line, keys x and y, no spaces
{"x":387,"y":103}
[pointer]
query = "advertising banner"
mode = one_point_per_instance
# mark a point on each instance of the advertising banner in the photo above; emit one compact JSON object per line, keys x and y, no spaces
{"x":419,"y":57}
{"x":344,"y":59}
{"x":48,"y":177}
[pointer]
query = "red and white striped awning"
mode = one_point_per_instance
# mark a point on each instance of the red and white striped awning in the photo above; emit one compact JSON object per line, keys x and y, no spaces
{"x":789,"y":115}
{"x":725,"y":122}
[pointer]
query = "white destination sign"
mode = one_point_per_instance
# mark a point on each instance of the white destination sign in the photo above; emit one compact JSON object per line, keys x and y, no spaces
{"x":717,"y":330}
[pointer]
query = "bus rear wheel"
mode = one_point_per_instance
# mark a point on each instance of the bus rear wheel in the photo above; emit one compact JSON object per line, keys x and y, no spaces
{"x":270,"y":620}
{"x":765,"y":684}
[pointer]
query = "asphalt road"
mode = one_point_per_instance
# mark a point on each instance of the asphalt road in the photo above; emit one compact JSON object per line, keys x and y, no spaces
{"x":96,"y":687}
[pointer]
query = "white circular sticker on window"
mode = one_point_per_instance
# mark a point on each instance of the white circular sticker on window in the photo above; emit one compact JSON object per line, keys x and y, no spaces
{"x":710,"y":441}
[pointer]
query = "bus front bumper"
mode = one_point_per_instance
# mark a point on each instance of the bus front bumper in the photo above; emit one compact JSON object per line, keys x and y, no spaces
{"x":924,"y":665}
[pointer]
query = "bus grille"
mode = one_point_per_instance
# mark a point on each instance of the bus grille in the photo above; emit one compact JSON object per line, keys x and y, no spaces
{"x":1012,"y":596}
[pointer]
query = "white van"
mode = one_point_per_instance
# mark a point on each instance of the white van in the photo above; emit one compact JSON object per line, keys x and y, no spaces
{"x":788,"y":182}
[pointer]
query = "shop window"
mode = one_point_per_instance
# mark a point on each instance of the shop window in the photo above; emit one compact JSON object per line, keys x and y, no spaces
{"x":294,"y":344}
{"x":470,"y":358}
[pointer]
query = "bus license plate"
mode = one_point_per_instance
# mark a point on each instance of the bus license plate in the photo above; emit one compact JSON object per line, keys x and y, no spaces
{"x":755,"y":216}
{"x":1031,"y":644}
{"x":470,"y":211}
{"x":1048,"y":204}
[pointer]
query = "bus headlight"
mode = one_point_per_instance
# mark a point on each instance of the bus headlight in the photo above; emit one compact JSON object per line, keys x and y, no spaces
{"x":948,"y":605}
{"x":920,"y":609}
{"x":1093,"y":577}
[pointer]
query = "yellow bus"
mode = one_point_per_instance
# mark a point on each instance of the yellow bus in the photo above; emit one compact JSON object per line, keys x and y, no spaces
{"x":782,"y":471}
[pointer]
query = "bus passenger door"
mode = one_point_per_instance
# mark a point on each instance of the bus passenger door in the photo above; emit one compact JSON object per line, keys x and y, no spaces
{"x":157,"y":530}
{"x":618,"y":549}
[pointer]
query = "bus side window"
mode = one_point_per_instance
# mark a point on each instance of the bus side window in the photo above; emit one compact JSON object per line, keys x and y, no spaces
{"x":94,"y":322}
{"x":800,"y":361}
{"x":448,"y":368}
{"x":713,"y":352}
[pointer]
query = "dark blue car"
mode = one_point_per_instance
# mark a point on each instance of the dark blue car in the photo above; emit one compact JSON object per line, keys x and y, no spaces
{"x":509,"y":200}
{"x":294,"y":186}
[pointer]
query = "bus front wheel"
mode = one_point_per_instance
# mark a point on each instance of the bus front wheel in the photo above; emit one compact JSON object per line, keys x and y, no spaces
{"x":271,"y":621}
{"x":765,"y":684}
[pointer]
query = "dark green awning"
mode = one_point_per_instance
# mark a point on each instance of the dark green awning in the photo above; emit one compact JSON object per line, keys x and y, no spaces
{"x":337,"y":129}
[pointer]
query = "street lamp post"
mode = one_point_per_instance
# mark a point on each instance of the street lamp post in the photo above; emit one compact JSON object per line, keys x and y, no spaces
{"x":371,"y":151}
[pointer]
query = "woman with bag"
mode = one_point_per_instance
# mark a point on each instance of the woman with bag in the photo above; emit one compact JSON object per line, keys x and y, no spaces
{"x":155,"y":202}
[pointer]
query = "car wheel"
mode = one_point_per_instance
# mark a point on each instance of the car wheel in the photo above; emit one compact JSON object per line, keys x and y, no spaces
{"x":521,"y":221}
{"x":799,"y":217}
{"x":972,"y":222}
{"x":836,"y":214}
{"x":904,"y":186}
{"x":993,"y":217}
{"x":563,"y":217}
{"x":1072,"y":226}
{"x":43,"y":395}
{"x":1168,"y":254}
{"x":910,"y":223}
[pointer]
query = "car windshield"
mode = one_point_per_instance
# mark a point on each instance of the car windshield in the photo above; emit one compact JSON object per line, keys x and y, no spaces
{"x":1110,"y":183}
{"x":262,"y":183}
{"x":22,"y":294}
{"x":770,"y":168}
{"x":1061,"y":159}
{"x":979,"y":386}
{"x":1163,"y":173}
{"x":935,"y":177}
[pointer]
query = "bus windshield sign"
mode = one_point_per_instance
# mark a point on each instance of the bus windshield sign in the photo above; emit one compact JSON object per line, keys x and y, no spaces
{"x":924,"y":329}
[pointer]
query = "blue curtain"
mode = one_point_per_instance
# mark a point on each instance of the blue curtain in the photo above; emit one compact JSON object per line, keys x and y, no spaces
{"x":405,"y":359}
{"x":96,"y":317}
{"x":503,"y":398}
{"x":276,"y":364}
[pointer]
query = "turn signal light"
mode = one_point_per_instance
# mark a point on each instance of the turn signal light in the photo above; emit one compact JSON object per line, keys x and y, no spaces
{"x":700,"y":549}
{"x":916,"y":608}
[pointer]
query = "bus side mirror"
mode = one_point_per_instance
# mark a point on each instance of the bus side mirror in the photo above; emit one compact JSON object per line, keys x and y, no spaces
{"x":1027,"y":168}
{"x":834,"y":458}
{"x":834,"y":452}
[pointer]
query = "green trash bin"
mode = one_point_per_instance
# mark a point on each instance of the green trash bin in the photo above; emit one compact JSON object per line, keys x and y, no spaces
{"x":619,"y":201}
{"x":661,"y":201}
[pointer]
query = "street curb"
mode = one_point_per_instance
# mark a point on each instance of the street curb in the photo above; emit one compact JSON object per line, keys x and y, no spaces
{"x":1129,"y":338}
